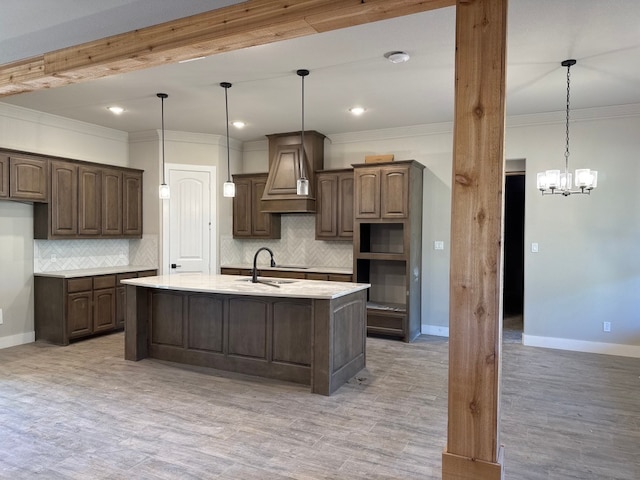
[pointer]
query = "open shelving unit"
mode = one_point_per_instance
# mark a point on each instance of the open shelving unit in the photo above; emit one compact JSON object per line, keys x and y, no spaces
{"x":388,"y":245}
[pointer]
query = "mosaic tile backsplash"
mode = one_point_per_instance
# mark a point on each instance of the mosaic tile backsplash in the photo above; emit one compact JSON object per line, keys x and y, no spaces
{"x":56,"y":255}
{"x":297,"y":246}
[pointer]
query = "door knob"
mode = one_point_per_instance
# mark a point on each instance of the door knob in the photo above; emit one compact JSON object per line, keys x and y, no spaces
{"x":173,"y":265}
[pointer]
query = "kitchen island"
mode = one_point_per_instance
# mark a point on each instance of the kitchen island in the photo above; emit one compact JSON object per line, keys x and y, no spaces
{"x":304,"y":331}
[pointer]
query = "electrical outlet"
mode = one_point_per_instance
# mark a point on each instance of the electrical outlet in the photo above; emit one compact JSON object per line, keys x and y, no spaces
{"x":606,"y":326}
{"x":1,"y":320}
{"x":54,"y":258}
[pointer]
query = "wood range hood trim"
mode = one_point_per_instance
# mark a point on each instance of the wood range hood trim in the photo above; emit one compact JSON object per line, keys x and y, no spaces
{"x":284,"y":169}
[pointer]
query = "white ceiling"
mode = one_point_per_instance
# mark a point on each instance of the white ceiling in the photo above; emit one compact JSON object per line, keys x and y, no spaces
{"x":347,"y":67}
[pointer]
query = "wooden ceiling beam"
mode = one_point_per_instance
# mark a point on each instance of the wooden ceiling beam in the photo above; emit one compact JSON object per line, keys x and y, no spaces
{"x":254,"y":22}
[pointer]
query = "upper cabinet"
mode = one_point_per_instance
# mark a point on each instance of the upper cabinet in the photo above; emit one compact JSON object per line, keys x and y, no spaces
{"x":90,"y":201}
{"x":334,"y":203}
{"x":382,"y":191}
{"x":248,"y":219}
{"x":23,"y":177}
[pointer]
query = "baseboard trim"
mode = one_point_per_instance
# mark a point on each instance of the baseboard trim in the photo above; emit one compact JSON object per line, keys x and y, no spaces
{"x":582,"y":346}
{"x":20,"y":339}
{"x":436,"y":330}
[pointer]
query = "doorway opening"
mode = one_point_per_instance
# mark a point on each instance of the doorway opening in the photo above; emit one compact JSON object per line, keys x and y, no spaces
{"x":513,"y":277}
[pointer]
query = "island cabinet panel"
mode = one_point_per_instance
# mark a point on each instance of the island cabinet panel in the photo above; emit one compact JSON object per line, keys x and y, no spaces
{"x":276,"y":337}
{"x":248,"y":319}
{"x":4,"y":176}
{"x":205,"y":322}
{"x":291,"y":342}
{"x":166,"y":321}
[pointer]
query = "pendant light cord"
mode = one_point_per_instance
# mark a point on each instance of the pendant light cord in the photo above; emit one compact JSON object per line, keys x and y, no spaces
{"x":162,"y":96}
{"x":226,"y":106}
{"x":302,"y":73}
{"x":566,"y":152}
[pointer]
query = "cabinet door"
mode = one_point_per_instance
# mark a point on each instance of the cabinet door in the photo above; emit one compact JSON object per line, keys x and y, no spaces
{"x":367,"y":192}
{"x":79,"y":314}
{"x":89,"y":200}
{"x":111,"y":202}
{"x":327,"y":207}
{"x":345,"y":205}
{"x":242,"y":208}
{"x":63,"y":206}
{"x":132,"y":204}
{"x":260,"y":222}
{"x":394,"y":196}
{"x":4,"y":176}
{"x":28,"y":179}
{"x":104,"y":313}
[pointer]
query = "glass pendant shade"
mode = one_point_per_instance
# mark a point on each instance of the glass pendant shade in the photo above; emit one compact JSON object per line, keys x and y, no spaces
{"x":229,"y":189}
{"x":164,"y":191}
{"x":302,"y":186}
{"x":586,"y":178}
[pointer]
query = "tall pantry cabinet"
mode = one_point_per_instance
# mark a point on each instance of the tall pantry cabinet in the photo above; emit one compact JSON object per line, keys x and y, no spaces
{"x":388,"y":245}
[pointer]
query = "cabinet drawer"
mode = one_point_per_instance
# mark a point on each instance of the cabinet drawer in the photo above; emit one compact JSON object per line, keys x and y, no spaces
{"x":338,"y":277}
{"x":148,"y":273}
{"x":387,"y":324}
{"x":124,"y":276}
{"x":81,"y":284}
{"x":104,"y":281}
{"x":317,"y":276}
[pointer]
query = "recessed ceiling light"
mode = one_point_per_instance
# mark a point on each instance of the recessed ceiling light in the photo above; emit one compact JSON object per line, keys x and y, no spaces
{"x":238,"y":124}
{"x":115,"y":110}
{"x":357,"y":110}
{"x":397,"y":57}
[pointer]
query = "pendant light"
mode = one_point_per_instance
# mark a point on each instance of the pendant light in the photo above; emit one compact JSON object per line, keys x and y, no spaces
{"x":228,"y":188}
{"x":302,"y":184}
{"x":164,"y":188}
{"x":553,"y":182}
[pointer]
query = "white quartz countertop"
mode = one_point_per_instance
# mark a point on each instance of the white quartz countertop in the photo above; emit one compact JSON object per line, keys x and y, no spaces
{"x":90,"y":272}
{"x":240,"y":285}
{"x":294,"y":268}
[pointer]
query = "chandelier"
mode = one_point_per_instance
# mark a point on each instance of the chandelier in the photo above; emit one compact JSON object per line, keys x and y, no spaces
{"x":555,"y":182}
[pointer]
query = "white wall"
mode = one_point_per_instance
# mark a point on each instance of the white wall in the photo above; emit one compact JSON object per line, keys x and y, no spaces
{"x":31,"y":131}
{"x":587,"y":270}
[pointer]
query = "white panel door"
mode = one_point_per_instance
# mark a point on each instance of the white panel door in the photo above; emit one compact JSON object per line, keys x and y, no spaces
{"x":189,"y":221}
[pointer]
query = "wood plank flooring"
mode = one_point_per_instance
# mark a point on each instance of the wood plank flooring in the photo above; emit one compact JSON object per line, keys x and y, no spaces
{"x":83,"y":412}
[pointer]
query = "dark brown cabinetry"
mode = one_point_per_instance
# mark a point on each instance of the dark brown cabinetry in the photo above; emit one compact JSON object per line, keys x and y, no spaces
{"x":334,"y":203}
{"x":4,"y":176}
{"x":90,"y":201}
{"x":382,"y":191}
{"x":388,"y":245}
{"x":23,"y":177}
{"x":71,"y":308}
{"x":248,"y":220}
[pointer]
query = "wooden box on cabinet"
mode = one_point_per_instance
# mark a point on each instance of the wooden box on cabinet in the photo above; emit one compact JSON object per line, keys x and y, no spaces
{"x":334,"y":205}
{"x":248,"y":220}
{"x":388,"y":245}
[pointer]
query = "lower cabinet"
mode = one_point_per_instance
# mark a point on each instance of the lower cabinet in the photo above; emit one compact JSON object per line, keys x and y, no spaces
{"x":72,"y":308}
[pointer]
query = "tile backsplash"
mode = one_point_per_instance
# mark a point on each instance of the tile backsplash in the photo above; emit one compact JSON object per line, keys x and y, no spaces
{"x":297,"y":246}
{"x":56,"y":255}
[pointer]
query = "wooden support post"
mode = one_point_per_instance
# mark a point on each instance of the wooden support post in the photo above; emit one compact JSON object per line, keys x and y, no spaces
{"x":473,"y":451}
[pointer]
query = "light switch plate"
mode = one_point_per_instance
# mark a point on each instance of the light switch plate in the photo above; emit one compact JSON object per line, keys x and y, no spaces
{"x":1,"y":320}
{"x":534,"y":247}
{"x":438,"y":245}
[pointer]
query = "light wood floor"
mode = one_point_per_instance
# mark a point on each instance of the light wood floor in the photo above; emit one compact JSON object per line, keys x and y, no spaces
{"x":82,"y":412}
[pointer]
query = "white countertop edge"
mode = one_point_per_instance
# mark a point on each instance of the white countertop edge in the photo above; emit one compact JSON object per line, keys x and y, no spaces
{"x":239,"y":285}
{"x":89,"y":272}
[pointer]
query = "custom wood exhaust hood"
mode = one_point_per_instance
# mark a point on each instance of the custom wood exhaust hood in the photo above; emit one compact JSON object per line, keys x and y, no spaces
{"x":285,"y":163}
